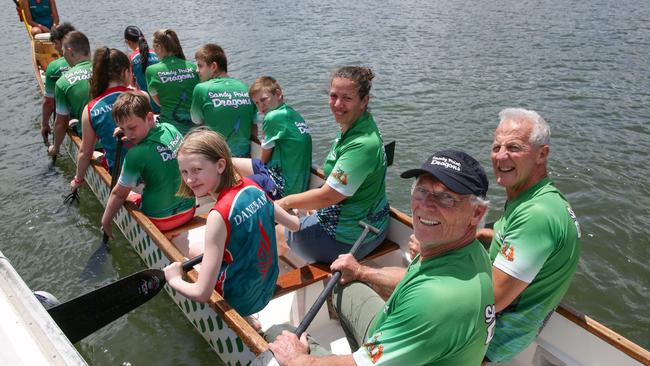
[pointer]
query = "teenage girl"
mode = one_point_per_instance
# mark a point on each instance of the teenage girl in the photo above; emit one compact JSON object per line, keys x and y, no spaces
{"x":171,"y":81}
{"x":240,"y":254}
{"x":141,"y":58}
{"x":110,"y":78}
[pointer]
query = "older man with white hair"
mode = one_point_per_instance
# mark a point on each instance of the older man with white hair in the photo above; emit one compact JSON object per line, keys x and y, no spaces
{"x":535,"y":246}
{"x":440,"y":310}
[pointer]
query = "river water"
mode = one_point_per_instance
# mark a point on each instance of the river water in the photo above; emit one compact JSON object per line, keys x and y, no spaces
{"x":444,"y":70}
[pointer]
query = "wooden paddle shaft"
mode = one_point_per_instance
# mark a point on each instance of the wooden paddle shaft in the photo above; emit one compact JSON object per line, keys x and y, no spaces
{"x":311,"y":314}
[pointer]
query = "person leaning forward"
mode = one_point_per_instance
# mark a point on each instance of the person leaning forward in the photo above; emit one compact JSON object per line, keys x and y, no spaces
{"x":535,"y":244}
{"x":440,"y":310}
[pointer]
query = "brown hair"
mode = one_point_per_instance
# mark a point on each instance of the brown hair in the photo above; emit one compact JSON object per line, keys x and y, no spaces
{"x":130,"y":104}
{"x":108,"y":65}
{"x":212,"y":146}
{"x":362,"y":76}
{"x":210,"y":53}
{"x":57,"y":33}
{"x":168,"y":40}
{"x":264,"y":84}
{"x":78,"y":42}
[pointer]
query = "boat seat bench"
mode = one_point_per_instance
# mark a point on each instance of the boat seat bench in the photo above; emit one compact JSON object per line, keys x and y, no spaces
{"x":298,"y":277}
{"x":314,"y":272}
{"x":197,"y":221}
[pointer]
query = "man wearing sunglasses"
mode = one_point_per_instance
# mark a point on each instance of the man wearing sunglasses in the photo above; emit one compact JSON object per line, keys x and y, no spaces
{"x":439,"y":310}
{"x":535,"y":245}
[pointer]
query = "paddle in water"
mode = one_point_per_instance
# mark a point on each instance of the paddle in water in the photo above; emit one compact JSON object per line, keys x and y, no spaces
{"x":82,"y":316}
{"x":267,"y":358}
{"x":99,"y":255}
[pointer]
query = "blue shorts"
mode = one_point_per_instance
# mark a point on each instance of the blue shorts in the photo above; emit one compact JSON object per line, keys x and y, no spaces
{"x":314,"y":244}
{"x":265,"y":180}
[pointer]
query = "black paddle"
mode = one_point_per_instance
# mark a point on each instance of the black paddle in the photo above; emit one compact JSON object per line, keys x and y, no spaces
{"x":82,"y":316}
{"x":266,"y":358}
{"x":99,"y":255}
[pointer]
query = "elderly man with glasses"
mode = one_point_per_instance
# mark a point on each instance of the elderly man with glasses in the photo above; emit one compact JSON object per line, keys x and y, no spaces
{"x":535,"y":245}
{"x":439,"y":310}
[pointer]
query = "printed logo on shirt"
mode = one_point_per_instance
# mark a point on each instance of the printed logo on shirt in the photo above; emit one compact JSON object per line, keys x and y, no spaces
{"x":249,"y":210}
{"x":96,"y":111}
{"x":340,"y":175}
{"x":264,"y":252}
{"x":169,"y":152}
{"x":507,"y":251}
{"x":228,"y":99}
{"x":302,"y":127}
{"x":575,"y":221}
{"x":490,"y":314}
{"x":176,"y":75}
{"x":77,"y":75}
{"x":374,"y":348}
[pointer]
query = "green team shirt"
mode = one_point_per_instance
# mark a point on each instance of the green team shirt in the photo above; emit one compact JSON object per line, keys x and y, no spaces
{"x":154,"y":160}
{"x":441,"y":313}
{"x":72,"y":91}
{"x":54,"y":71}
{"x":173,"y":81}
{"x":223,"y":105}
{"x":536,"y":241}
{"x":288,"y":135}
{"x":356,"y":168}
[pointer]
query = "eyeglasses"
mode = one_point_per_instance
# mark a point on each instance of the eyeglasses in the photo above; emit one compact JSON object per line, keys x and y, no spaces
{"x":443,"y":199}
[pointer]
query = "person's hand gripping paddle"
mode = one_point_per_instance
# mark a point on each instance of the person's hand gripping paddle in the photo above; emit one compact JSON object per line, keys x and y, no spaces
{"x":266,"y":358}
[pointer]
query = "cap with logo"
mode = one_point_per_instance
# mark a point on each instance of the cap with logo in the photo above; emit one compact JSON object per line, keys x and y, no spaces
{"x":457,"y":170}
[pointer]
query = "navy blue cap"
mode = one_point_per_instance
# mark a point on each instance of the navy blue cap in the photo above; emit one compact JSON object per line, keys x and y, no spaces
{"x":457,"y":170}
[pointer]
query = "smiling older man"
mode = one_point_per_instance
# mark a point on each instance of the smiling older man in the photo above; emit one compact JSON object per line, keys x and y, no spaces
{"x":441,"y":308}
{"x":535,"y":245}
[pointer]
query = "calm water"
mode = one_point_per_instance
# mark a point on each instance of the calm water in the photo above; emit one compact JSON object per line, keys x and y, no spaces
{"x":444,"y":70}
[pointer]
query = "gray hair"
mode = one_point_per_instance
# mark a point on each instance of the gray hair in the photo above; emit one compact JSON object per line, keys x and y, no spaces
{"x":541,"y":133}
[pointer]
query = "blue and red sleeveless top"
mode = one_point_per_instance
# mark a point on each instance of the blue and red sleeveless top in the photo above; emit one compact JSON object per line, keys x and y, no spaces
{"x":100,"y":112}
{"x":138,"y":73}
{"x":250,"y":261}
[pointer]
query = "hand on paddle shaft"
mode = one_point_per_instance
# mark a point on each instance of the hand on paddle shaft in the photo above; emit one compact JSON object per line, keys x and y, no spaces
{"x":82,"y":316}
{"x":287,"y":345}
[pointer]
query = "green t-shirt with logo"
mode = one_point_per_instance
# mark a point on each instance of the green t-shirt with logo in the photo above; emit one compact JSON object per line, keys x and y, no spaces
{"x":223,"y":105}
{"x":537,"y":242}
{"x":288,"y":135}
{"x":154,"y":161}
{"x":72,"y":91}
{"x":173,"y":81}
{"x":54,"y":71}
{"x":356,"y":168}
{"x":441,"y":313}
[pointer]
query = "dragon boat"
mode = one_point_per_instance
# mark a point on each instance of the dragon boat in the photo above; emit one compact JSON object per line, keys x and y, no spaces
{"x":569,"y":337}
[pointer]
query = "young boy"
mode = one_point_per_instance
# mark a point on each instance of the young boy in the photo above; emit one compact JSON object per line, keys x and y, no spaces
{"x":152,"y":158}
{"x":222,"y":103}
{"x":71,"y":91}
{"x":54,"y":71}
{"x":286,"y":149}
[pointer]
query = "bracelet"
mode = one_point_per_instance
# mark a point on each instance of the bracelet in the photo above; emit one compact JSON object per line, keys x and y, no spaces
{"x":77,"y":181}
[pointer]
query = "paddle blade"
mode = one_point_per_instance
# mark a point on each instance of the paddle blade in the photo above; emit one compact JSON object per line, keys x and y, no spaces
{"x":96,"y":263}
{"x":87,"y":313}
